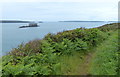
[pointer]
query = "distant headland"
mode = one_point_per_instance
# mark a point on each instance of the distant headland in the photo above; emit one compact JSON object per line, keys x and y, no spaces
{"x":16,"y":21}
{"x":87,"y":21}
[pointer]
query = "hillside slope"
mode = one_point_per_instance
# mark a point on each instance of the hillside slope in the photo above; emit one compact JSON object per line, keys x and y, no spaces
{"x":66,"y":53}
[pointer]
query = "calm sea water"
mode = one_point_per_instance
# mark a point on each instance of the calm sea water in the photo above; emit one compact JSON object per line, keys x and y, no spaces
{"x":12,"y":35}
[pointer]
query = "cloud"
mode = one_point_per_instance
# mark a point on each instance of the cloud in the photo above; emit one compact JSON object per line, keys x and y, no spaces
{"x":47,"y":11}
{"x":59,"y":1}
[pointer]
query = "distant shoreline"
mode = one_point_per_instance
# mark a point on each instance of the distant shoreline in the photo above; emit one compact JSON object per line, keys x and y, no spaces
{"x":16,"y":21}
{"x":87,"y":21}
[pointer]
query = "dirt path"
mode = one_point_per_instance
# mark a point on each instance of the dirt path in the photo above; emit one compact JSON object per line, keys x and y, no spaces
{"x":84,"y":68}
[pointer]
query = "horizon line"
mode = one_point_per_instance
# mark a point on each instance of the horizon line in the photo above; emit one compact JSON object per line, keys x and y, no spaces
{"x":53,"y":20}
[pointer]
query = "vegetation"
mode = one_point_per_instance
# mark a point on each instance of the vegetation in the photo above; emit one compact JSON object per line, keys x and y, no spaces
{"x":63,"y":53}
{"x":106,"y":59}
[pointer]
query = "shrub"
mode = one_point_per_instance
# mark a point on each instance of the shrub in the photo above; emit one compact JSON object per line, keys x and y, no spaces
{"x":64,"y":47}
{"x":94,"y":36}
{"x":80,"y":45}
{"x":30,"y":48}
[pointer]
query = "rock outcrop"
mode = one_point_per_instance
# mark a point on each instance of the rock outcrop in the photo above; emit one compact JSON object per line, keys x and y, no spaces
{"x":30,"y":25}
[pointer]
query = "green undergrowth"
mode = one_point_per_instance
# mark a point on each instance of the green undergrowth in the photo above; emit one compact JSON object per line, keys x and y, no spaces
{"x":55,"y":54}
{"x":0,"y":66}
{"x":106,"y":60}
{"x":70,"y":64}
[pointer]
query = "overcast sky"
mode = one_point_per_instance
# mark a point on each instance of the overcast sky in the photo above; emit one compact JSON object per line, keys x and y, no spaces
{"x":63,"y":10}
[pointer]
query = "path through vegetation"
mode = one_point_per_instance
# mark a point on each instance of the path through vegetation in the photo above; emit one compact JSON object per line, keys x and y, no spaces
{"x":86,"y":66}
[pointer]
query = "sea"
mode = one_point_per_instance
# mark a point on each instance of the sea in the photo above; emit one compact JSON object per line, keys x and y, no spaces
{"x":12,"y":35}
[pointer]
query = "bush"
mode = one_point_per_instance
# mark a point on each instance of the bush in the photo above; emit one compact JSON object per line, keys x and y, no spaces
{"x":94,"y":36}
{"x":80,"y":45}
{"x":30,"y":48}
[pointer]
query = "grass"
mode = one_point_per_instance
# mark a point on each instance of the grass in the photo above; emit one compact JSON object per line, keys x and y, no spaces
{"x":106,"y":60}
{"x":70,"y":64}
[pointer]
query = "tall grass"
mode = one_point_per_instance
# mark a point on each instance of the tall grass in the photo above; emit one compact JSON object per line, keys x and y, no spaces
{"x":106,"y":60}
{"x":71,"y":63}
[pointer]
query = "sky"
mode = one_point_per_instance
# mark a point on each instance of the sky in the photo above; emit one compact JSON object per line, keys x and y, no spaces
{"x":59,"y":10}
